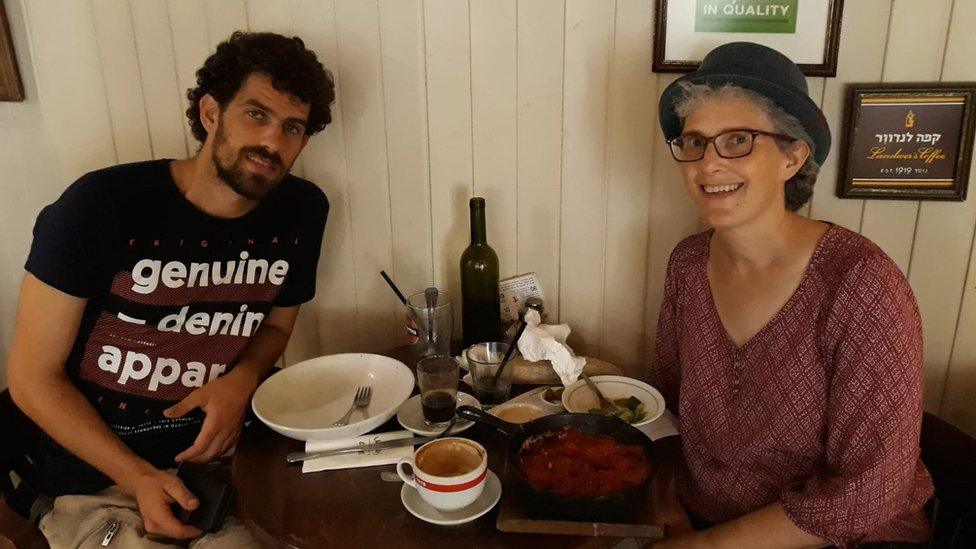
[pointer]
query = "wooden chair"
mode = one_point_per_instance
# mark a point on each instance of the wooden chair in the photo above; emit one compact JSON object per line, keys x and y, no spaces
{"x":15,"y":529}
{"x":950,"y":456}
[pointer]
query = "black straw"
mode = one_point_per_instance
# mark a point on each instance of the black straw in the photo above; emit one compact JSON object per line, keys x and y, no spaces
{"x":509,"y":352}
{"x":393,"y":287}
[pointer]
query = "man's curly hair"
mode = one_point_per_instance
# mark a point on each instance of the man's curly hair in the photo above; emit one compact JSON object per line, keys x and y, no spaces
{"x":286,"y":61}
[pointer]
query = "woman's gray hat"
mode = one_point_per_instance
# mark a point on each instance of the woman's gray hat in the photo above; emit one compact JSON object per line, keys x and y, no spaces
{"x":762,"y":70}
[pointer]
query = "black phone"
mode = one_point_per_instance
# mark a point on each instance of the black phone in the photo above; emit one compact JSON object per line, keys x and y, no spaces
{"x":210,"y":483}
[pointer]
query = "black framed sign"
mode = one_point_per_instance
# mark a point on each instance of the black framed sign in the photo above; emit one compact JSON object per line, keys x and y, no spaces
{"x":907,"y":141}
{"x":807,"y":31}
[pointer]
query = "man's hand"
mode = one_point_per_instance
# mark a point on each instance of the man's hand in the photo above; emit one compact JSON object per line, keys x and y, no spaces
{"x":154,"y":491}
{"x":224,"y":400}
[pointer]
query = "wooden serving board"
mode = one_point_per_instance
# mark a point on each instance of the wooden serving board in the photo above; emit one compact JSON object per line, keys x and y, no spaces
{"x":514,"y":515}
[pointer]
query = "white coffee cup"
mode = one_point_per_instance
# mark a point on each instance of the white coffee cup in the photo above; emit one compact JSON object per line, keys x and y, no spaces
{"x":448,"y":473}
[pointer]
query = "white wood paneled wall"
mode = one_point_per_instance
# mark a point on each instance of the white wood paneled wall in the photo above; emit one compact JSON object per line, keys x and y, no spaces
{"x":545,"y":107}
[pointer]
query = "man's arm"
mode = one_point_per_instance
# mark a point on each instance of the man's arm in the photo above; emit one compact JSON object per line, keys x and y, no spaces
{"x":225,"y":399}
{"x":44,"y":332}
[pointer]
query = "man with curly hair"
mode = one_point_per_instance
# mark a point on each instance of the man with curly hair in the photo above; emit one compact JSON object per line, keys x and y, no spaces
{"x":159,"y":294}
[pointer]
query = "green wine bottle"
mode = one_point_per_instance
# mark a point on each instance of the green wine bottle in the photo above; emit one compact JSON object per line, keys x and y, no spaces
{"x":480,"y":310}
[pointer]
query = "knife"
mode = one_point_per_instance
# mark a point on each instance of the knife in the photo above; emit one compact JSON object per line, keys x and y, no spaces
{"x":295,"y":457}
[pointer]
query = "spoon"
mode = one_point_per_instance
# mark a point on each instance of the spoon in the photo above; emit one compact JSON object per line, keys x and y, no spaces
{"x":430,"y":294}
{"x":450,"y":425}
{"x":605,"y":404}
{"x":390,"y":476}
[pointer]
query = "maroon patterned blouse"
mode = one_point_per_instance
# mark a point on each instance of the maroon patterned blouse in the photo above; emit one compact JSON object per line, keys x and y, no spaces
{"x":820,"y":410}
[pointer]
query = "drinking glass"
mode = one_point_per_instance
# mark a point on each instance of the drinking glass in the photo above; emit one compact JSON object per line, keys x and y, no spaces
{"x":434,"y":326}
{"x":437,"y":377}
{"x":483,"y":361}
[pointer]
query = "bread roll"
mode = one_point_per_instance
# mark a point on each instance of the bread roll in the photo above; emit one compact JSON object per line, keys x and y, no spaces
{"x":541,"y":373}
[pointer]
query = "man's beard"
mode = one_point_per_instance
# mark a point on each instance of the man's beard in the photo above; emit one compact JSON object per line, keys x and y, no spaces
{"x":247,"y":184}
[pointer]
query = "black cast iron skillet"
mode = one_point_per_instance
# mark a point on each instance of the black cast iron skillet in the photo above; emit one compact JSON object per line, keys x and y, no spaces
{"x":608,"y":507}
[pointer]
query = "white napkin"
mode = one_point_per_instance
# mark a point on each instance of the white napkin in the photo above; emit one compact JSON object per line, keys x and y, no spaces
{"x":364,"y":459}
{"x":664,"y":426}
{"x":548,"y":342}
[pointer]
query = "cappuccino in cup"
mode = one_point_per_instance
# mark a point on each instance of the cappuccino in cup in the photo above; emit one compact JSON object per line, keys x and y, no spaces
{"x":448,"y":473}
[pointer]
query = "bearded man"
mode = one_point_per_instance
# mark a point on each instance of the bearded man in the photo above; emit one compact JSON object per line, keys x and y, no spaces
{"x":159,"y":294}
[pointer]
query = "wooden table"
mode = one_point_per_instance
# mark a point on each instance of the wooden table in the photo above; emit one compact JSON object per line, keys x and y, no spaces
{"x":282,"y":507}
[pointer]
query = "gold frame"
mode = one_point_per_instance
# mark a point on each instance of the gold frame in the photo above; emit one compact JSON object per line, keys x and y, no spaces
{"x":934,"y":92}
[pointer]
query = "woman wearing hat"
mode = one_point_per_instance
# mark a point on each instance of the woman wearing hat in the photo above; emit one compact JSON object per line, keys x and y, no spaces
{"x":789,"y":348}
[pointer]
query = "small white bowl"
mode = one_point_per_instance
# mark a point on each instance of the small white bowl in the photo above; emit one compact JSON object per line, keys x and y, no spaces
{"x":304,"y":400}
{"x":578,"y":397}
{"x":519,"y":412}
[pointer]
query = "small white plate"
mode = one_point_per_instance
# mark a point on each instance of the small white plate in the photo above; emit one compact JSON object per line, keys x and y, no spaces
{"x":411,"y":416}
{"x":534,"y":397}
{"x":423,"y":510}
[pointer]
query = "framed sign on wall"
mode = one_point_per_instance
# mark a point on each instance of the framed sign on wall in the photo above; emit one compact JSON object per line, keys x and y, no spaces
{"x":11,"y":88}
{"x":907,"y":141}
{"x":807,"y":32}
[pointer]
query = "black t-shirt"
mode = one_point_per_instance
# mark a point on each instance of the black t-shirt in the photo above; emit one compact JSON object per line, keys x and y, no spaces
{"x":174,"y":294}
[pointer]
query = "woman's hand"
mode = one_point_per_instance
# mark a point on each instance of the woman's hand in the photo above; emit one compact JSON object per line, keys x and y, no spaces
{"x":768,"y":527}
{"x":684,"y":541}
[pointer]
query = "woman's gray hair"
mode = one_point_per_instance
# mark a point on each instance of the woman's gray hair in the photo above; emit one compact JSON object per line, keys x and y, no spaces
{"x":799,"y":188}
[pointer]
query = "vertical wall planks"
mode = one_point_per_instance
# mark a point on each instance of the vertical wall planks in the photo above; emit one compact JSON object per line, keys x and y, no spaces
{"x":862,"y":42}
{"x":943,"y":256}
{"x":916,"y":40}
{"x":589,"y":45}
{"x":123,"y":81}
{"x":191,"y":47}
{"x":448,"y":60}
{"x":334,"y":308}
{"x":405,"y":106}
{"x":673,"y":217}
{"x":539,"y":80}
{"x":494,"y":121}
{"x":223,"y":18}
{"x":369,"y":202}
{"x":632,"y":132}
{"x":157,"y":60}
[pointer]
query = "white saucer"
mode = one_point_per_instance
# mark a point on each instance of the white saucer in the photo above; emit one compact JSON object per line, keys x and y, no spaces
{"x":422,"y":510}
{"x":411,"y":416}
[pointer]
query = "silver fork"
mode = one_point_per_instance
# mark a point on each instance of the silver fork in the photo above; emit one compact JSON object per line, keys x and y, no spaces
{"x":363,"y":396}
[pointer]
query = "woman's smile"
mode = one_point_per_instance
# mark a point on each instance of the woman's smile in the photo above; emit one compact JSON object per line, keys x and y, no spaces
{"x":720,"y":190}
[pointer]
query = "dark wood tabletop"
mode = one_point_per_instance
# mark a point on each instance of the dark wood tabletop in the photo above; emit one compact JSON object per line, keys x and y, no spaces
{"x":282,"y":507}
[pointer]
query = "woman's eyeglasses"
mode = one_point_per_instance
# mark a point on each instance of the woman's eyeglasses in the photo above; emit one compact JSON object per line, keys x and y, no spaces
{"x":730,"y":144}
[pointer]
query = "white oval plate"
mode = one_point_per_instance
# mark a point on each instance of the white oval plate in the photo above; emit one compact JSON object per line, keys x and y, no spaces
{"x":534,"y":397}
{"x":411,"y":416}
{"x":579,"y":398}
{"x":423,"y":510}
{"x":304,"y":400}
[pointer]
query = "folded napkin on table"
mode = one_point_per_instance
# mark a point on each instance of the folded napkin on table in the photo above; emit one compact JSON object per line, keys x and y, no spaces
{"x":364,"y":459}
{"x":662,"y":427}
{"x":548,"y":342}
